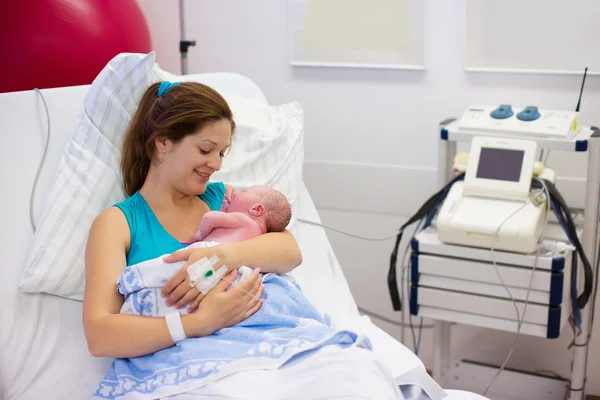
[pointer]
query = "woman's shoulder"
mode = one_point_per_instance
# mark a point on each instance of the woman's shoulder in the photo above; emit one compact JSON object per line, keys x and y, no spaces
{"x":130,"y":201}
{"x":117,"y":218}
{"x":131,"y":206}
{"x":111,"y":222}
{"x":112,"y":216}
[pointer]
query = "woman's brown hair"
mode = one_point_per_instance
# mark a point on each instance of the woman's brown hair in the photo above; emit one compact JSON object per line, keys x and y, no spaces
{"x":183,"y":110}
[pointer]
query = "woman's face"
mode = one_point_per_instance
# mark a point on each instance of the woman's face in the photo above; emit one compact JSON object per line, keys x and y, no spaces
{"x":190,"y":163}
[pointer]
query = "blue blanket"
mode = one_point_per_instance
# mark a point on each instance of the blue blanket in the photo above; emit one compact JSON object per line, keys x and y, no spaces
{"x":286,"y":326}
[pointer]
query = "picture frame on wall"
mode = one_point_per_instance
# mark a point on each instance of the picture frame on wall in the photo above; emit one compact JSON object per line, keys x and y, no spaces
{"x":385,"y":34}
{"x":534,"y":36}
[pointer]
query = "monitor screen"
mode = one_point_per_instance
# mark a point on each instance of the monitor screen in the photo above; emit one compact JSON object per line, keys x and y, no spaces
{"x":500,"y":164}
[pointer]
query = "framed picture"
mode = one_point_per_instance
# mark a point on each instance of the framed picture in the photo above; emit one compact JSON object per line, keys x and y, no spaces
{"x":356,"y":33}
{"x":533,"y":36}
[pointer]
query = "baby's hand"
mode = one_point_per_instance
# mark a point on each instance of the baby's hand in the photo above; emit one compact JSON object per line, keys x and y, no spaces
{"x":226,"y":202}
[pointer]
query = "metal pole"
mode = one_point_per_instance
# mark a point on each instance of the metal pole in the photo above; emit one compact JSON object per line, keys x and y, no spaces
{"x":590,"y":228}
{"x":446,"y":153}
{"x":446,"y":347}
{"x":184,"y":64}
{"x":183,"y":44}
{"x":182,"y":36}
{"x":441,"y":329}
{"x":437,"y":369}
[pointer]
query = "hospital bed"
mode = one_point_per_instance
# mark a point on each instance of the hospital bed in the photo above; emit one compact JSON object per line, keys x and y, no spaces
{"x":43,"y":352}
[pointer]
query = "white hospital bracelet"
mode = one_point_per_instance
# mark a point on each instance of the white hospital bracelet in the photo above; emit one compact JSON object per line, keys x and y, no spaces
{"x":175,"y":326}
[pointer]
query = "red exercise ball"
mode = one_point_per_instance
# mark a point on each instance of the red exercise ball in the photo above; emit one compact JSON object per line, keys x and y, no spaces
{"x":54,"y":43}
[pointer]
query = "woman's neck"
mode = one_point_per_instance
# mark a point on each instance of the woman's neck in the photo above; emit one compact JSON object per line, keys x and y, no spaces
{"x":159,"y":193}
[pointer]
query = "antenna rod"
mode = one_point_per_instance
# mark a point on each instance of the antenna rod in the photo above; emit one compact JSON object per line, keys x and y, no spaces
{"x":581,"y":91}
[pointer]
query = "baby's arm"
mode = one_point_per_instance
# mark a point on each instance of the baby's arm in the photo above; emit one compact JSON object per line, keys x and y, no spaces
{"x":219,"y":219}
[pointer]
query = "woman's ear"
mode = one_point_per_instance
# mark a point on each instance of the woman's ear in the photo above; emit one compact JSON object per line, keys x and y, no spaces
{"x":163,"y":145}
{"x":257,"y":210}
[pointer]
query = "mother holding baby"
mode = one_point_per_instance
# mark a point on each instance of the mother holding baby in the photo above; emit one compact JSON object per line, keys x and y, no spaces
{"x":176,"y":140}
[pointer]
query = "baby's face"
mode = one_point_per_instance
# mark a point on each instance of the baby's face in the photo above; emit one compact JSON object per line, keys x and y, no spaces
{"x":243,"y":200}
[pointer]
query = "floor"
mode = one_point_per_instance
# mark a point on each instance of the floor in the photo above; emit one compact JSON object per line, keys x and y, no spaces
{"x":588,"y":397}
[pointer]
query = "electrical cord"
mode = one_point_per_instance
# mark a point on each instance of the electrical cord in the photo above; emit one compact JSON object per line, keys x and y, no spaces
{"x":370,"y":313}
{"x":37,"y":174}
{"x":551,"y":373}
{"x":372,"y":239}
{"x":404,"y":267}
{"x":404,"y":275}
{"x":426,"y":211}
{"x":546,"y":156}
{"x":416,"y":343}
{"x":520,"y":318}
{"x":551,"y":196}
{"x":575,"y":315}
{"x":389,"y":321}
{"x":551,"y":193}
{"x":562,"y":211}
{"x":573,"y":326}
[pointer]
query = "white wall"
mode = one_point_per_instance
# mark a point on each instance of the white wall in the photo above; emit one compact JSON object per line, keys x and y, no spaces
{"x":364,"y":123}
{"x":162,"y":17}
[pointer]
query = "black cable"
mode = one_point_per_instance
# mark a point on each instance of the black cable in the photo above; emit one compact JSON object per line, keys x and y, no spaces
{"x":425,"y":209}
{"x":588,"y":273}
{"x":562,"y":211}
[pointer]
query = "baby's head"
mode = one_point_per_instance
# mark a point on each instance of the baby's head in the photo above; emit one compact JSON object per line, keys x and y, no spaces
{"x":263,"y":203}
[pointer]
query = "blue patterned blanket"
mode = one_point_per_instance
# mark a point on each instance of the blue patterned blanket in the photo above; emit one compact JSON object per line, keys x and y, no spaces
{"x":285,"y":327}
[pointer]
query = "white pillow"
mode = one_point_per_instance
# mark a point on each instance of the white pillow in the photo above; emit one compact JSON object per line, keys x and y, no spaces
{"x":267,"y":149}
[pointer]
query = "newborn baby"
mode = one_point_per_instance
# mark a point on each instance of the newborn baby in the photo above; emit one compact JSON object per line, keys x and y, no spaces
{"x":244,"y":215}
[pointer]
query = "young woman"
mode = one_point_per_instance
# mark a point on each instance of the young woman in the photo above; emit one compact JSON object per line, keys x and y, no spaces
{"x":177,"y":139}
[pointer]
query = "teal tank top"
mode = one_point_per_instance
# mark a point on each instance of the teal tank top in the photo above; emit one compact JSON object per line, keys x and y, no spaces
{"x":148,"y":237}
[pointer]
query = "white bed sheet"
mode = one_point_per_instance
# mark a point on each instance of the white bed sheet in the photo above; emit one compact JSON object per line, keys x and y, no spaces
{"x":44,"y":346}
{"x":325,"y":285}
{"x":43,"y":353}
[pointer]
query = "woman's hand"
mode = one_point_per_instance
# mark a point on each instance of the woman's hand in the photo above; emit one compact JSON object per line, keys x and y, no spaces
{"x":178,"y":290}
{"x":222,"y":308}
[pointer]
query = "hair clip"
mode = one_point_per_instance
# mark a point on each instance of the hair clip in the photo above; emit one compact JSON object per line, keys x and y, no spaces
{"x":165,"y":86}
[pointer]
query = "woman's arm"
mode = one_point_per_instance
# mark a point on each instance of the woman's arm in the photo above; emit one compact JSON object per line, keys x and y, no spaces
{"x":110,"y":334}
{"x":273,"y":252}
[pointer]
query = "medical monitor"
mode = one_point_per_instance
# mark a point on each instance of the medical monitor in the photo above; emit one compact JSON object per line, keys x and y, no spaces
{"x":500,"y":164}
{"x":500,"y":168}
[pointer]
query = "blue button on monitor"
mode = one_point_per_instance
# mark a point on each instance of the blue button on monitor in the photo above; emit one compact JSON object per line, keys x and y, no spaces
{"x":502,"y":112}
{"x":530,"y":113}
